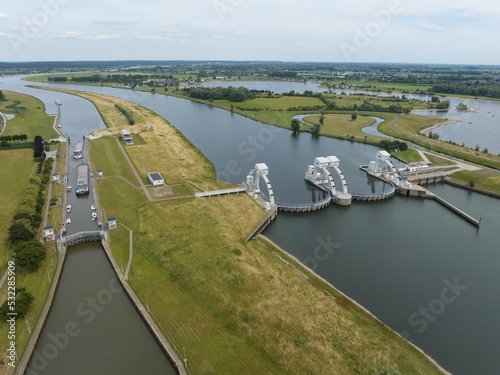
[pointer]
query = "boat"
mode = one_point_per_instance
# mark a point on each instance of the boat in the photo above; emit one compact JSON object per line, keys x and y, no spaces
{"x":82,"y":179}
{"x":68,"y":208}
{"x":78,"y":151}
{"x":92,"y":207}
{"x":59,"y":125}
{"x":69,"y":187}
{"x":94,"y":216}
{"x":68,"y":221}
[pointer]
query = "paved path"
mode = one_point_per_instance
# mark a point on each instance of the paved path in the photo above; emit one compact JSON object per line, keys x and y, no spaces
{"x":143,"y":187}
{"x":130,"y":250}
{"x":49,"y":195}
{"x":4,"y":122}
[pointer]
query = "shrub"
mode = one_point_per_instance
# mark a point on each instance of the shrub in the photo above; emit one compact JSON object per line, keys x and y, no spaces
{"x":30,"y":255}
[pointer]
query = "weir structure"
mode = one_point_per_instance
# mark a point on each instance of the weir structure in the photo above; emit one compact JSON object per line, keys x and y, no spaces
{"x":252,"y":187}
{"x":319,"y":175}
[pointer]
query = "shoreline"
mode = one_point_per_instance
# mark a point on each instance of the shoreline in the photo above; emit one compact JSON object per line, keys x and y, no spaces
{"x":435,"y":126}
{"x":314,"y":274}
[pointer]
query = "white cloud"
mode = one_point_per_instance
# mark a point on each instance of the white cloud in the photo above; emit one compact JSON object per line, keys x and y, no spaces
{"x":84,"y":36}
{"x":114,"y":22}
{"x":4,"y":16}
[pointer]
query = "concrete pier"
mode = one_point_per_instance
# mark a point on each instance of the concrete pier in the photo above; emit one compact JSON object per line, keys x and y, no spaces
{"x":459,"y":212}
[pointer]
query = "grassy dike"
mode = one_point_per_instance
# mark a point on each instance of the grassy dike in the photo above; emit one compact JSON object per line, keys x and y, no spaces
{"x":16,"y":168}
{"x":236,"y":307}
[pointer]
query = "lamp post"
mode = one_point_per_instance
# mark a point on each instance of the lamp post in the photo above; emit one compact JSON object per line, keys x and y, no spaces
{"x":185,"y":359}
{"x":147,"y":302}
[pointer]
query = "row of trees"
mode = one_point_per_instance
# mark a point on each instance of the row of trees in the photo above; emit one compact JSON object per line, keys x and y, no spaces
{"x":13,"y":138}
{"x":282,"y":74}
{"x":393,"y":145}
{"x":127,"y":114}
{"x":230,"y":93}
{"x":487,"y":89}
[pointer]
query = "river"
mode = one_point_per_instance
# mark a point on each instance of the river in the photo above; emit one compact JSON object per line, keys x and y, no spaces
{"x":422,"y":270}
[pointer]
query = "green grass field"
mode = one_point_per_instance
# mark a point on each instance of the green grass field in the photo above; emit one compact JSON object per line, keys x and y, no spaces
{"x":476,"y":176}
{"x":30,"y":116}
{"x":409,"y":156}
{"x":16,"y":167}
{"x":110,"y":159}
{"x":438,"y":160}
{"x":279,"y":103}
{"x":388,"y":86}
{"x":343,"y":124}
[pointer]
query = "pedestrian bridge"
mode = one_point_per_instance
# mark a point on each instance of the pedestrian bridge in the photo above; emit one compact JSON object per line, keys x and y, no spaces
{"x":86,"y":236}
{"x":294,"y":207}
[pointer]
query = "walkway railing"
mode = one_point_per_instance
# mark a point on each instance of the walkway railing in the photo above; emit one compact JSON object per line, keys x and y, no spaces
{"x":88,"y":236}
{"x":285,"y":207}
{"x":376,"y":197}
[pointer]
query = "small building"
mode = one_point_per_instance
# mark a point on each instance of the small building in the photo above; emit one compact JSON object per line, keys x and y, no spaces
{"x":48,"y":233}
{"x":156,"y":179}
{"x":99,"y":173}
{"x":55,"y":178}
{"x":112,"y":222}
{"x":127,"y":137}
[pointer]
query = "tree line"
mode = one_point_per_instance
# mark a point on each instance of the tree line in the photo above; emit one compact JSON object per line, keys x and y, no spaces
{"x":127,"y":114}
{"x":230,"y":93}
{"x":487,"y":89}
{"x":28,"y":252}
{"x":12,"y":138}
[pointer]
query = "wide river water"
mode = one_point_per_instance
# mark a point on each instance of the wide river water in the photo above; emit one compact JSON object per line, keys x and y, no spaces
{"x":421,"y":269}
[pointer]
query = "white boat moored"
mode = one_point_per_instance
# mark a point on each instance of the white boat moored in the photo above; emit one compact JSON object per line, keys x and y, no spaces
{"x":69,"y":188}
{"x":68,"y":208}
{"x":68,"y":221}
{"x":92,"y":207}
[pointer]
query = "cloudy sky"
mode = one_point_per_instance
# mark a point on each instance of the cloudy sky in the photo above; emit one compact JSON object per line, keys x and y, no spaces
{"x":423,"y":31}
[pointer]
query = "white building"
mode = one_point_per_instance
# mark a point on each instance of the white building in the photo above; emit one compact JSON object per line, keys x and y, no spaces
{"x":127,"y":137}
{"x":48,"y":232}
{"x":156,"y":179}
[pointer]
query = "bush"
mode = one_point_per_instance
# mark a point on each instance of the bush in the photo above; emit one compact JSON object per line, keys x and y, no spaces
{"x":24,"y":300}
{"x":127,"y":114}
{"x":21,"y":230}
{"x":30,"y":255}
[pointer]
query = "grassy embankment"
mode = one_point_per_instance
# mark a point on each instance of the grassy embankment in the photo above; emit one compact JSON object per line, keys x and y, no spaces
{"x":30,"y":119}
{"x":16,"y":167}
{"x":236,"y":307}
{"x":409,"y":156}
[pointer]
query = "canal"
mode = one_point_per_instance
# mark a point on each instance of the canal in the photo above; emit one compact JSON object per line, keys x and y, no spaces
{"x":424,"y":271}
{"x":92,"y":327}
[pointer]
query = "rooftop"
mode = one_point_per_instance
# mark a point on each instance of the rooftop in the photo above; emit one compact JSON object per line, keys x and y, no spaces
{"x":155,"y":176}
